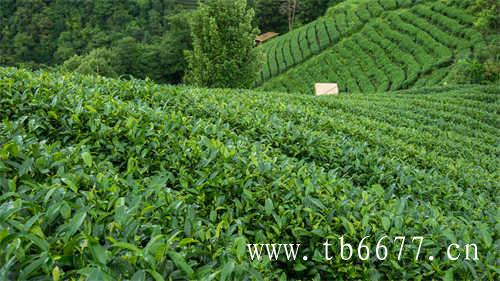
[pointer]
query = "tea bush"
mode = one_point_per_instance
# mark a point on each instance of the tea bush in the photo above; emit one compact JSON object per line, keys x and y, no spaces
{"x":104,"y":179}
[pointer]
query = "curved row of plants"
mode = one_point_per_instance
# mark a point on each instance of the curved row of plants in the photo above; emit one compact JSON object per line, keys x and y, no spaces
{"x":107,"y":179}
{"x":394,"y":52}
{"x":340,"y":21}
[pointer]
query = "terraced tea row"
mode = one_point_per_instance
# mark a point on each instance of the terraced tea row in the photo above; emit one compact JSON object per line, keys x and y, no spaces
{"x":341,"y":21}
{"x":105,"y":179}
{"x":390,"y":53}
{"x":189,"y":4}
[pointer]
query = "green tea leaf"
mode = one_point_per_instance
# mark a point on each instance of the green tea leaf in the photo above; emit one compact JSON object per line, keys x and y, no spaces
{"x":227,"y":270}
{"x":187,"y":241}
{"x":140,"y":275}
{"x":181,"y":263}
{"x":33,"y":266}
{"x":127,"y":246}
{"x":74,"y":224}
{"x":269,"y":206}
{"x":448,"y":276}
{"x":99,"y":253}
{"x":56,"y":273}
{"x":240,"y":245}
{"x":87,"y":158}
{"x":156,"y":275}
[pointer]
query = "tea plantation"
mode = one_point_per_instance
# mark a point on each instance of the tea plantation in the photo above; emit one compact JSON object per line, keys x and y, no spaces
{"x":374,"y":46}
{"x":104,"y":179}
{"x":341,"y":21}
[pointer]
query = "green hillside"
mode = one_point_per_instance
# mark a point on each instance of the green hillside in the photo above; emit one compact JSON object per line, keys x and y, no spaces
{"x":374,"y":46}
{"x":341,"y":21}
{"x":104,"y":176}
{"x":104,"y":179}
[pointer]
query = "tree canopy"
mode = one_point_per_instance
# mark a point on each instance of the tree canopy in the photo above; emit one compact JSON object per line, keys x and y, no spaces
{"x":224,"y":53}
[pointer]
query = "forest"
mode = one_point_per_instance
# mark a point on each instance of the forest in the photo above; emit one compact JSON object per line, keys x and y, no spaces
{"x":139,"y":38}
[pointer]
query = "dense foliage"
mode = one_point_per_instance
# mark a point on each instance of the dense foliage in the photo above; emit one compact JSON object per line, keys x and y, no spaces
{"x":486,"y":66}
{"x":109,"y":179}
{"x":163,"y":61}
{"x":38,"y":33}
{"x":125,"y":179}
{"x":271,"y":15}
{"x":224,"y":53}
{"x":94,"y":36}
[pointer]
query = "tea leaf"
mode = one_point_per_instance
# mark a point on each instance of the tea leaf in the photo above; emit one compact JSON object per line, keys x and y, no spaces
{"x":87,"y":158}
{"x":181,"y":263}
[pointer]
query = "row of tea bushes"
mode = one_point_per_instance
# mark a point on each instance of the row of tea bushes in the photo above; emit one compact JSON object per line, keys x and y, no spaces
{"x":104,"y":179}
{"x":390,"y":53}
{"x":341,"y":21}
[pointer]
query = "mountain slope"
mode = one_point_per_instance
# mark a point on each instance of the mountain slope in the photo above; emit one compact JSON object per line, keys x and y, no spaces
{"x":341,"y":21}
{"x":138,"y":179}
{"x":397,"y":50}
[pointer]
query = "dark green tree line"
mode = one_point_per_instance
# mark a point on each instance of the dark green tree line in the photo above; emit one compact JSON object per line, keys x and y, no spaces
{"x":140,"y":38}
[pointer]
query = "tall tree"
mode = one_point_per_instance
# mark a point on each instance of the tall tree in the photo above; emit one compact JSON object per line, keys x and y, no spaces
{"x":284,"y":15}
{"x":224,"y":53}
{"x":268,"y":16}
{"x":289,"y":8}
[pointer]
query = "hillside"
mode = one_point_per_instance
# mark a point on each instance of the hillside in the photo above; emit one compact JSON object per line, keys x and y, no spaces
{"x":373,"y":46}
{"x":342,"y":20}
{"x":110,"y":179}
